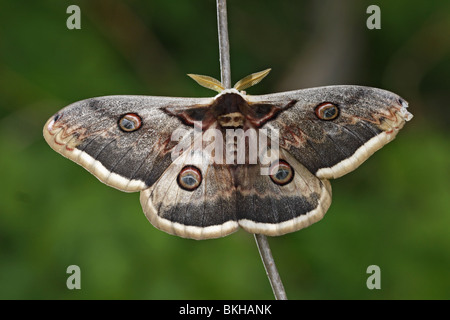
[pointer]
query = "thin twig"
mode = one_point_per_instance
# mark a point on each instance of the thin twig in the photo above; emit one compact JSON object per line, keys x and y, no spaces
{"x":271,"y":268}
{"x":225,"y":70}
{"x":224,"y":43}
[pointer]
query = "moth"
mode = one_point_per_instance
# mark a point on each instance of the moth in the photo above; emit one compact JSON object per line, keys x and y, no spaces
{"x":204,"y":190}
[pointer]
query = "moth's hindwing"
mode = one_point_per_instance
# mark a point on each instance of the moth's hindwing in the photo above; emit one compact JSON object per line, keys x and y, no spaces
{"x":275,"y":206}
{"x":200,"y":207}
{"x":224,"y":197}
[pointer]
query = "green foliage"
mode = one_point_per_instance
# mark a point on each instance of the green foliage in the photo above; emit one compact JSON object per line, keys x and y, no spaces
{"x":394,"y":211}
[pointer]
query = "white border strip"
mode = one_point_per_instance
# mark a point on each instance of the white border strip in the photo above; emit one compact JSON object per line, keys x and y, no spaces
{"x":181,"y":230}
{"x":88,"y":162}
{"x":295,"y":224}
{"x":358,"y":157}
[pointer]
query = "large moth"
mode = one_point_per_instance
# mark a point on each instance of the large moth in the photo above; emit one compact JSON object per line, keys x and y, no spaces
{"x":213,"y":185}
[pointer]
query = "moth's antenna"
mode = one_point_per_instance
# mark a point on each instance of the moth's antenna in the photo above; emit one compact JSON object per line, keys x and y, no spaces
{"x":207,"y":82}
{"x":251,"y":80}
{"x":261,"y":240}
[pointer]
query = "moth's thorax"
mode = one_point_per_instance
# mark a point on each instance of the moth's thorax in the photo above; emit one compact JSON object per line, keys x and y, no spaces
{"x":231,"y":120}
{"x":229,"y":109}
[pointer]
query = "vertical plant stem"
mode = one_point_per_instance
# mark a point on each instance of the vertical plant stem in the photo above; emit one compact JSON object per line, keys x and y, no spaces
{"x":225,"y":71}
{"x":270,"y":266}
{"x":224,"y":44}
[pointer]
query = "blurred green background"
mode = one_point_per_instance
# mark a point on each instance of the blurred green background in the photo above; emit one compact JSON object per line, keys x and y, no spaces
{"x":394,"y":211}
